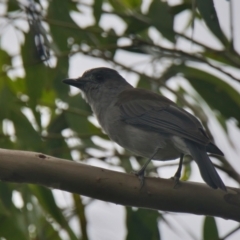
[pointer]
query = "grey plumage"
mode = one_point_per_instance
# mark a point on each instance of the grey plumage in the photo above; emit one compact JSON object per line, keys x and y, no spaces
{"x":147,"y":123}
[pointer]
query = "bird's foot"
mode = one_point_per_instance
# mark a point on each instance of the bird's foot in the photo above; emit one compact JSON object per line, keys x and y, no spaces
{"x":140,"y":175}
{"x":177,"y":182}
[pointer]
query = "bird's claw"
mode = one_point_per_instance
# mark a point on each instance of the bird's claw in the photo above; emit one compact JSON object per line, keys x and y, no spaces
{"x":140,"y":176}
{"x":177,"y":182}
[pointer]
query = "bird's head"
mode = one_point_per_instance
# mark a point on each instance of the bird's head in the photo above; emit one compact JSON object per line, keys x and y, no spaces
{"x":97,"y":83}
{"x":96,"y":77}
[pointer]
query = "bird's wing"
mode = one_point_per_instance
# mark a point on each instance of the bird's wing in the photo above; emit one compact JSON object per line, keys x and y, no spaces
{"x":156,"y":113}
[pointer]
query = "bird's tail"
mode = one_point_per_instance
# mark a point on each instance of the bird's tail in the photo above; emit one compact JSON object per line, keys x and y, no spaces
{"x":207,"y":170}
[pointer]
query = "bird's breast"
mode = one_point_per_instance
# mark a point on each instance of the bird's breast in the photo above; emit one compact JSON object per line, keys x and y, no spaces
{"x":139,"y":141}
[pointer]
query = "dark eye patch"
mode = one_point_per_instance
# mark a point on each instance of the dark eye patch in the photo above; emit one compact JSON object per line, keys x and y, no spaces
{"x":99,"y":77}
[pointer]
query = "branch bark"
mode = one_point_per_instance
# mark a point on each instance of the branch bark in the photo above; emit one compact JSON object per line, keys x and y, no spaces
{"x":117,"y":187}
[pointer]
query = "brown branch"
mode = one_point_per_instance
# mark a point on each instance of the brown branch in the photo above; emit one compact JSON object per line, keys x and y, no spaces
{"x":116,"y":187}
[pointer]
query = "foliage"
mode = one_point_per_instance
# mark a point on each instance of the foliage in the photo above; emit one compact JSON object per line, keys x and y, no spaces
{"x":51,"y":39}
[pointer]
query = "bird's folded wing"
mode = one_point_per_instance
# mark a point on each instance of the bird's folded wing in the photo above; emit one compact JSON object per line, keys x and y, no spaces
{"x":161,"y":115}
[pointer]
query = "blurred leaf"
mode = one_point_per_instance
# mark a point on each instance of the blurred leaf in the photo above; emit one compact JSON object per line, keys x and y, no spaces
{"x":222,"y":121}
{"x":48,"y":97}
{"x":34,"y":84}
{"x":162,"y":19}
{"x":208,"y":12}
{"x":80,"y":212}
{"x":10,"y":229}
{"x":217,"y":93}
{"x":81,"y":125}
{"x":9,"y":100}
{"x":136,"y":23}
{"x":125,"y":5}
{"x":142,"y":224}
{"x":104,"y":41}
{"x":77,"y":114}
{"x":27,"y":137}
{"x":60,"y":72}
{"x":29,"y":50}
{"x":6,"y":194}
{"x":3,"y":209}
{"x":12,"y":220}
{"x":12,"y":5}
{"x":46,"y":199}
{"x":144,"y":83}
{"x":132,"y":4}
{"x":5,"y":63}
{"x":210,"y":231}
{"x":187,"y":169}
{"x":58,"y":124}
{"x":17,"y":85}
{"x":57,"y":146}
{"x":5,"y":141}
{"x":36,"y":73}
{"x":77,"y":102}
{"x":97,"y":9}
{"x":176,"y":9}
{"x":126,"y":164}
{"x":61,"y":24}
{"x":220,"y":57}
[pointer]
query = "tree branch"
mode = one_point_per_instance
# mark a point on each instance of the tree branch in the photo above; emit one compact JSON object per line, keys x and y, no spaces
{"x":117,"y":187}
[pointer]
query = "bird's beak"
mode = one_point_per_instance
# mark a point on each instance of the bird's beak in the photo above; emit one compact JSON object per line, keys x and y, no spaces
{"x":74,"y":82}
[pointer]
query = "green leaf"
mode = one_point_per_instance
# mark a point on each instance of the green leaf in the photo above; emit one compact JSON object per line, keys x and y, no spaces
{"x":57,"y":146}
{"x":58,"y":124}
{"x":46,"y":199}
{"x":12,"y":5}
{"x":76,"y":117}
{"x":132,"y":4}
{"x":97,"y":9}
{"x":144,"y":83}
{"x":10,"y":229}
{"x":210,"y":231}
{"x":81,"y":125}
{"x":36,"y":71}
{"x":5,"y":63}
{"x":61,"y":24}
{"x":59,"y":73}
{"x":220,"y":56}
{"x":6,"y":194}
{"x":137,"y":24}
{"x":176,"y":9}
{"x":17,"y":86}
{"x":105,"y":41}
{"x":27,"y":137}
{"x":208,"y":12}
{"x":142,"y":224}
{"x":78,"y":103}
{"x":162,"y":19}
{"x":29,"y":50}
{"x":9,"y":100}
{"x":125,"y":5}
{"x":216,"y":92}
{"x":186,"y":170}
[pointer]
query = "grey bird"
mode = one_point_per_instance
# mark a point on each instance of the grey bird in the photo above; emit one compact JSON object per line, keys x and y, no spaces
{"x":147,"y":124}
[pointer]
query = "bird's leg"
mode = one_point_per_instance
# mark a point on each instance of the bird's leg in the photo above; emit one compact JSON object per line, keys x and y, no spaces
{"x":177,"y":175}
{"x":140,"y":173}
